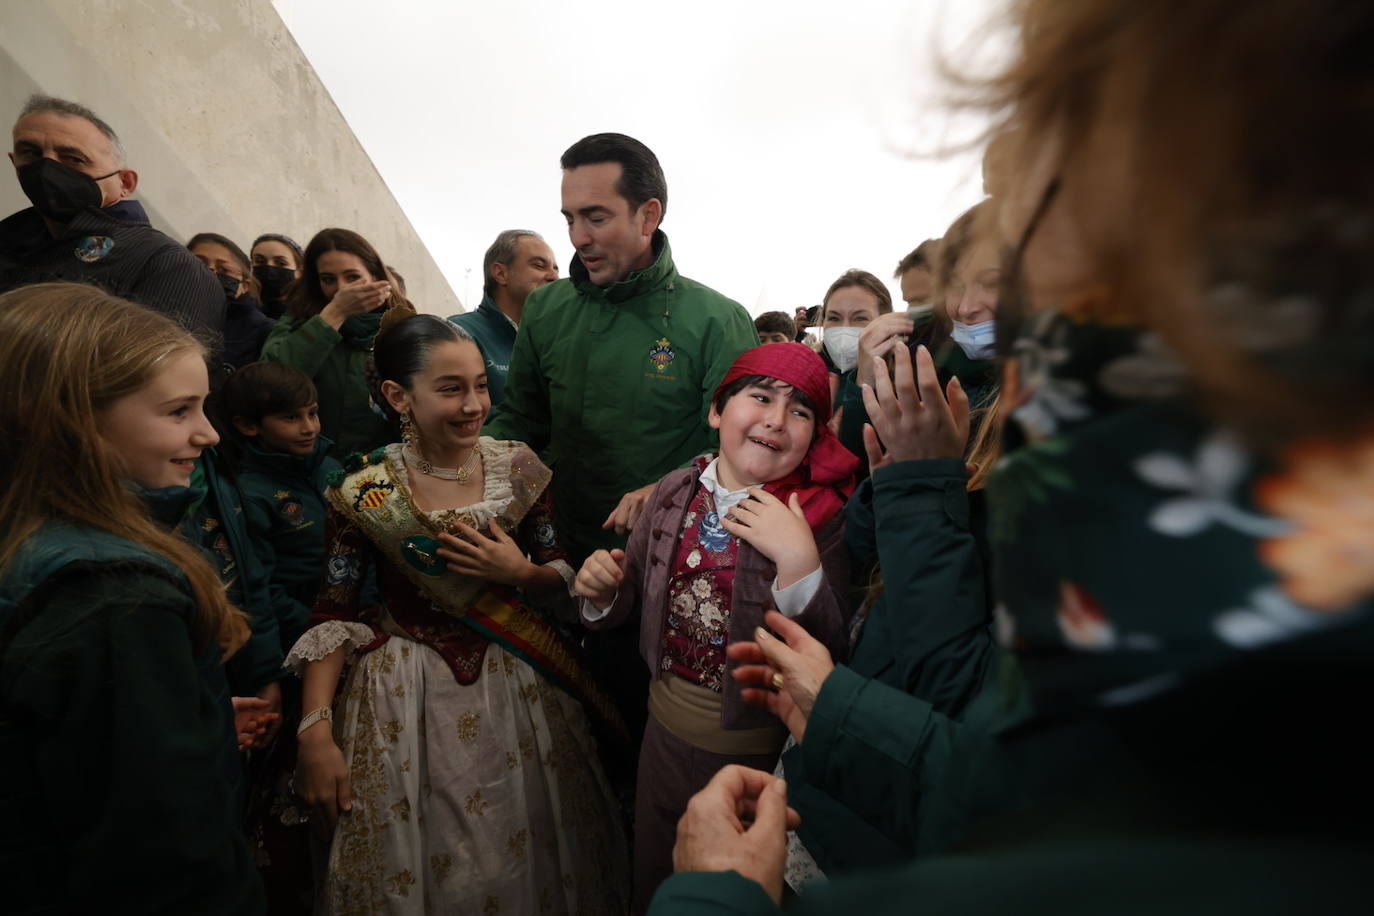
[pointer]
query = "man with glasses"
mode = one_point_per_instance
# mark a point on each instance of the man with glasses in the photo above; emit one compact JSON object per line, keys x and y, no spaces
{"x":83,"y":228}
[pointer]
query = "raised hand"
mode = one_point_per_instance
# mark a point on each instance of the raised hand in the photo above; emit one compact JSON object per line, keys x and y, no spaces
{"x":355,"y":299}
{"x":914,"y":419}
{"x":600,"y":576}
{"x":883,"y":335}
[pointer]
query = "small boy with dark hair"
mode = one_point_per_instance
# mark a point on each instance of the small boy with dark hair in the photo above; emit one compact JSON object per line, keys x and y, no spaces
{"x":775,"y":327}
{"x":282,"y":463}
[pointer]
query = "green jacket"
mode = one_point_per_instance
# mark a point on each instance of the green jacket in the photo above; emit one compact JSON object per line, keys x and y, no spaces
{"x":1239,"y":793}
{"x":117,"y":748}
{"x":284,"y":506}
{"x":612,"y":385}
{"x":337,"y":363}
{"x":495,"y":336}
{"x":928,"y":635}
{"x":210,"y":514}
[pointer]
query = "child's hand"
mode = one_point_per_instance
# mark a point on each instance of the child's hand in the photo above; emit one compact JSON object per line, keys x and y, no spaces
{"x":779,"y":532}
{"x":599,"y":578}
{"x":494,"y":557}
{"x":252,"y":720}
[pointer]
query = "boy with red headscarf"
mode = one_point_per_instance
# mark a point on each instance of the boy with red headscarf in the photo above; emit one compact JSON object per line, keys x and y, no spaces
{"x":720,"y":542}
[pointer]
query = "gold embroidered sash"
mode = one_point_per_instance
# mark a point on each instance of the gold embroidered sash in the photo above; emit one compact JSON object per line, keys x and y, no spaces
{"x":377,"y":499}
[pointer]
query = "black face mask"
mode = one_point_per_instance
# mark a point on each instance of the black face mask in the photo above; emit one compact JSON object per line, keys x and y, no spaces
{"x":273,"y":280}
{"x":59,"y":191}
{"x":230,"y":284}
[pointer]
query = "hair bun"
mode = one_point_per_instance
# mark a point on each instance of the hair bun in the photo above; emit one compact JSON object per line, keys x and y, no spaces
{"x":400,"y":309}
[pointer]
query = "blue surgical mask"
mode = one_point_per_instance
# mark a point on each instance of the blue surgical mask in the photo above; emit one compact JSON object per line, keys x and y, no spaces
{"x":978,"y":341}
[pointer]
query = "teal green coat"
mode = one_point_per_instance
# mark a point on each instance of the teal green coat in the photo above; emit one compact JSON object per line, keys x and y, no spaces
{"x":211,"y":516}
{"x":336,"y":362}
{"x":1240,"y":793}
{"x":117,"y":747}
{"x":284,"y":506}
{"x":927,"y":635}
{"x":612,"y":385}
{"x":495,"y":336}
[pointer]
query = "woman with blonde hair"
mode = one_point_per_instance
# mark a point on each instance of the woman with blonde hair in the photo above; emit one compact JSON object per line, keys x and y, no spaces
{"x":115,"y":718}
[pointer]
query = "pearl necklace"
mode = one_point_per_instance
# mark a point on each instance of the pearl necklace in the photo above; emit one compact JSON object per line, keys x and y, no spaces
{"x":460,"y":473}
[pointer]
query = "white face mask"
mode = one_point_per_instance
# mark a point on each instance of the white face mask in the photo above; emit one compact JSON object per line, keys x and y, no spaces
{"x":843,"y":346}
{"x":978,"y":341}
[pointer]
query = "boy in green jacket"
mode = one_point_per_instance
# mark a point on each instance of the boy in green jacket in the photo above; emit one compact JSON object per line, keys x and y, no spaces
{"x":283,"y":463}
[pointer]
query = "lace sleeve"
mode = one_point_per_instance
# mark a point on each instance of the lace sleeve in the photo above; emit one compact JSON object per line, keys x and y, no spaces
{"x":323,"y":638}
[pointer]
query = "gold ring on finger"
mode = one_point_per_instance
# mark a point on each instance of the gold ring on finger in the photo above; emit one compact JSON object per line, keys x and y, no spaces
{"x":777,"y":680}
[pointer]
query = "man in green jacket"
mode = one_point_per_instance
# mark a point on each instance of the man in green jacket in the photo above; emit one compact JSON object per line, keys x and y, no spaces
{"x":613,"y":369}
{"x":516,"y":264}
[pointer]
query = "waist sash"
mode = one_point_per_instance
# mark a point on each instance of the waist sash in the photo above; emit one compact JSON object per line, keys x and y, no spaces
{"x":377,"y":499}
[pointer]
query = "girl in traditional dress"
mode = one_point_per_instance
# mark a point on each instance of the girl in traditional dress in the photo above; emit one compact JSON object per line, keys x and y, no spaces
{"x":459,"y":773}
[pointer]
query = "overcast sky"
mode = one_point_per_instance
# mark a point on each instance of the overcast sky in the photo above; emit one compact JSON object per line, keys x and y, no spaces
{"x":797,"y":137}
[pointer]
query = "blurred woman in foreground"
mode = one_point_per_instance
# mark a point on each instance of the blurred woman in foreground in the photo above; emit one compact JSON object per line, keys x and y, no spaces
{"x":1181,"y":521}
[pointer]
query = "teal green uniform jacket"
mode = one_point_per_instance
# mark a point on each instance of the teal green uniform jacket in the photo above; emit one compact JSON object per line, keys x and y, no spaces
{"x":336,"y":362}
{"x":117,"y":748}
{"x":211,"y":515}
{"x":1240,"y":793}
{"x":495,"y":336}
{"x":612,"y":385}
{"x":927,"y":635}
{"x":283,"y":503}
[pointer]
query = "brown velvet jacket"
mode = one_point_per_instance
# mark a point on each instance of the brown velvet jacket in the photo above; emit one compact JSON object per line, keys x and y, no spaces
{"x":649,"y":561}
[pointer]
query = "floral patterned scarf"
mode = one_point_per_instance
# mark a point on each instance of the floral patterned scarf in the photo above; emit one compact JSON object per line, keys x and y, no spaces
{"x":1137,"y":543}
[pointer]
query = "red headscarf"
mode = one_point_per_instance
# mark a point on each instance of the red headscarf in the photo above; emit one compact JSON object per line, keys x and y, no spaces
{"x":825,"y":477}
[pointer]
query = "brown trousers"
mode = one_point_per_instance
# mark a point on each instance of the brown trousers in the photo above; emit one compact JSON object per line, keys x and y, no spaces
{"x":671,"y":771}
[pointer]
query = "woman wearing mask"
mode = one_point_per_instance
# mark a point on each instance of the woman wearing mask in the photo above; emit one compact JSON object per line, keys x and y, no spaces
{"x":854,"y":302}
{"x":333,"y":315}
{"x":245,"y":326}
{"x":277,"y":262}
{"x":959,"y":332}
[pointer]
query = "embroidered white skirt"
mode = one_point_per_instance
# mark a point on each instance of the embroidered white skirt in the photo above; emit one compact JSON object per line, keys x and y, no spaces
{"x":485,"y":798}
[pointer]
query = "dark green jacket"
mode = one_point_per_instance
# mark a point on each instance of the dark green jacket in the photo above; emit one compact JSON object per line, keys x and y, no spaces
{"x":1241,"y":792}
{"x":211,"y":516}
{"x":927,"y":635}
{"x":612,"y":385}
{"x":495,"y":336}
{"x":336,"y":362}
{"x":284,"y":505}
{"x":117,"y":747}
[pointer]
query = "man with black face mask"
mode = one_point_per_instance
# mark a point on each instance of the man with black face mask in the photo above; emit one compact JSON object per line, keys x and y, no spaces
{"x":82,"y":227}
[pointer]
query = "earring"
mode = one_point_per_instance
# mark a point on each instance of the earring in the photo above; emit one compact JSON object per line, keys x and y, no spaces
{"x":410,"y":435}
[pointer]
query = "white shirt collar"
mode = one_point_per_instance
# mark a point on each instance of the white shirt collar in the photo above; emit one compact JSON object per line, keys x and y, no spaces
{"x":725,"y":499}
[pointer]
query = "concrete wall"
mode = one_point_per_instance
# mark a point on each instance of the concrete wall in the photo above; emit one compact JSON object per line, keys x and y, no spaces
{"x":222,"y":116}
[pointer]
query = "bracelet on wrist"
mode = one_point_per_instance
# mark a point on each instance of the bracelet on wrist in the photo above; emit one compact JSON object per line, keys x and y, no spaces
{"x":323,"y":714}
